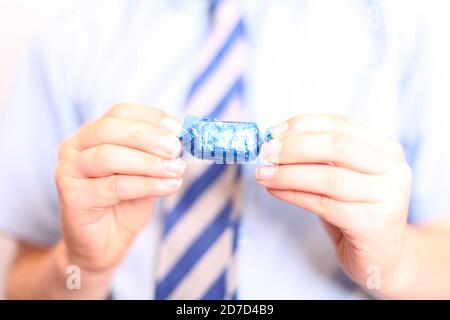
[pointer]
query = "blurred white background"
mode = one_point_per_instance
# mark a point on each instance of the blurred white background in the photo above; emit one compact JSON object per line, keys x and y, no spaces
{"x":19,"y":21}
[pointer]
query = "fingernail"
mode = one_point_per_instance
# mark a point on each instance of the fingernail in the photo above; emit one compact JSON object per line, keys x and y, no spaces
{"x":171,"y":125}
{"x":266,"y":173}
{"x":172,"y":183}
{"x":176,"y":166}
{"x":271,"y":150}
{"x":170,"y":145}
{"x":279,"y":129}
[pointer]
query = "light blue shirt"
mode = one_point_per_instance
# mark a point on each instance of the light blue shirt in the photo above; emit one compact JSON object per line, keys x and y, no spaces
{"x":364,"y":59}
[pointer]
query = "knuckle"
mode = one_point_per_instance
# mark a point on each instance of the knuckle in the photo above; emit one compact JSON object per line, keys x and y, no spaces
{"x":324,"y":202}
{"x":341,"y":146}
{"x":401,"y":174}
{"x":138,"y":132}
{"x":102,"y":128}
{"x":66,"y":188}
{"x":68,"y":196}
{"x":409,"y":174}
{"x":294,"y":120}
{"x":339,"y":121}
{"x":115,"y":185}
{"x":335,"y":140}
{"x":155,"y":111}
{"x":331,"y":182}
{"x":68,"y":145}
{"x":85,"y":131}
{"x":115,"y":109}
{"x":406,"y":173}
{"x":86,"y":125}
{"x":59,"y":178}
{"x":398,"y":150}
{"x":67,"y":159}
{"x":62,"y":150}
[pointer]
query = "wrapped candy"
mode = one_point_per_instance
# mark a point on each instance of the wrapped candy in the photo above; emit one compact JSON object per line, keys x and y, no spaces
{"x":224,"y":142}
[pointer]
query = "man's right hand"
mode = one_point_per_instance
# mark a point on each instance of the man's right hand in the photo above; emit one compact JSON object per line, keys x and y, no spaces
{"x":109,"y":175}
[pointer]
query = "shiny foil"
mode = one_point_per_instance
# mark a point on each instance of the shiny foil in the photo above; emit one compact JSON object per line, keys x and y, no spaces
{"x":224,"y":142}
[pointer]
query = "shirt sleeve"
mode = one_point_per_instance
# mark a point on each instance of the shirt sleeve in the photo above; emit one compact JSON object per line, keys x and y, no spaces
{"x":424,"y":127}
{"x":38,"y":115}
{"x":431,"y":192}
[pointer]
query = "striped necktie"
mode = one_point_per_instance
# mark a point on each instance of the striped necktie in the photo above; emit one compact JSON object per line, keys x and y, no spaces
{"x":197,"y":252}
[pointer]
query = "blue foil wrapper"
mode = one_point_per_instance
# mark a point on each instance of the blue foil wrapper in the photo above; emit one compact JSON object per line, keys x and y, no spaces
{"x":224,"y":142}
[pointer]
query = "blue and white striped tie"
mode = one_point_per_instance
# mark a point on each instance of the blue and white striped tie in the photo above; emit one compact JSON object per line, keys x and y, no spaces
{"x":197,"y":253}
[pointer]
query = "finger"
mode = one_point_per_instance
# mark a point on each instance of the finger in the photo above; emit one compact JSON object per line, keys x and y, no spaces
{"x":128,"y":133}
{"x":148,"y":115}
{"x":333,"y":182}
{"x":108,"y":159}
{"x":108,"y":191}
{"x":340,"y":125}
{"x":340,"y":214}
{"x":341,"y":150}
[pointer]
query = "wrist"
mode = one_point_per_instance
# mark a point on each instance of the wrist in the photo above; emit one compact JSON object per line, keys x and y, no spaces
{"x":397,"y":282}
{"x":79,"y":279}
